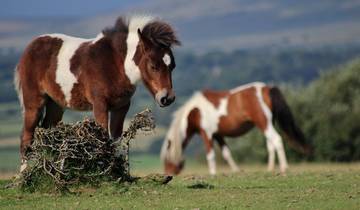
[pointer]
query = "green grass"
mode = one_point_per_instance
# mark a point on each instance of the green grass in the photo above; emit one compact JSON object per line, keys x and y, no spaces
{"x":320,"y":186}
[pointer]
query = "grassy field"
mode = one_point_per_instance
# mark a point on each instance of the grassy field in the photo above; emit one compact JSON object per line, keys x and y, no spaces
{"x":306,"y":186}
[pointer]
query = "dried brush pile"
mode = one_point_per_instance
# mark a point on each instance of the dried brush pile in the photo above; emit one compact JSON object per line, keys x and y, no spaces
{"x":81,"y":153}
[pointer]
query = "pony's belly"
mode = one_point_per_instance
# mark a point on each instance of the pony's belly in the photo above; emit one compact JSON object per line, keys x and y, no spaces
{"x":78,"y":105}
{"x":81,"y":106}
{"x":236,"y":130}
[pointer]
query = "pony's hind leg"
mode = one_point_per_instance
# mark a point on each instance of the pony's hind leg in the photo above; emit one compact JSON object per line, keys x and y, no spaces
{"x":274,"y":141}
{"x":32,"y":116}
{"x":271,"y":155}
{"x":53,"y":114}
{"x":210,"y":153}
{"x":226,"y":153}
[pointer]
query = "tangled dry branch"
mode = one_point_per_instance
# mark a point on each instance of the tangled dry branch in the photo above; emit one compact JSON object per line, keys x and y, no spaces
{"x":71,"y":154}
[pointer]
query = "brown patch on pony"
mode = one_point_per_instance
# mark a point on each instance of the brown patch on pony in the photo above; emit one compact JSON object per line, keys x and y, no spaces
{"x":193,"y":125}
{"x":193,"y":120}
{"x":239,"y":121}
{"x":215,"y":97}
{"x":76,"y":59}
{"x":41,"y":57}
{"x":92,"y":55}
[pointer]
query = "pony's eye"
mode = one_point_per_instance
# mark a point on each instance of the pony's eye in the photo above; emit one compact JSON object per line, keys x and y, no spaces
{"x":153,"y":67}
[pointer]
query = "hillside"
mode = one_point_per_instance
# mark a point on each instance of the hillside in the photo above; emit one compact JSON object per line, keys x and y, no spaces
{"x":218,"y":70}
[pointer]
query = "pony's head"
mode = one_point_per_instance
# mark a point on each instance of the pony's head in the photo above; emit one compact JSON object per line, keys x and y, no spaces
{"x":156,"y":61}
{"x":172,"y":148}
{"x":172,"y":159}
{"x":145,"y":45}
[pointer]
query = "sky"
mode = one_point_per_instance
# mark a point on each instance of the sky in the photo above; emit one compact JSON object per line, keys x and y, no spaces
{"x":61,"y":8}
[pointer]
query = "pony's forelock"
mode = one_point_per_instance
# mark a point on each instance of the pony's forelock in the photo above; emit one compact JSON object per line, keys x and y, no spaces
{"x":161,"y":34}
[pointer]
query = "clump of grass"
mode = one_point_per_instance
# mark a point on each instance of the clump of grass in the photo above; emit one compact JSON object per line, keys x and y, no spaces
{"x":201,"y":185}
{"x":155,"y":179}
{"x":82,"y":153}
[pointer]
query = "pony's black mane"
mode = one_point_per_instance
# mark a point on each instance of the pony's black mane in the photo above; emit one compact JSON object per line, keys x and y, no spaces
{"x":160,"y":33}
{"x":121,"y":26}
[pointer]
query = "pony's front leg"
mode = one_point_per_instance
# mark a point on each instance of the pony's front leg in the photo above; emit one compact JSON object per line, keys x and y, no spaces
{"x":100,"y":110}
{"x":275,"y":141}
{"x":210,"y":153}
{"x":226,"y":153}
{"x":117,"y":118}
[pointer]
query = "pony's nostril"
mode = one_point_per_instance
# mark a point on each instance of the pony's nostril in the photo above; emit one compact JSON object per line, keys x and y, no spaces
{"x":163,"y":100}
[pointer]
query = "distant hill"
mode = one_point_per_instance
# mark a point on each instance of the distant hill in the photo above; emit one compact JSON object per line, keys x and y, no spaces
{"x":222,"y":70}
{"x":207,"y":25}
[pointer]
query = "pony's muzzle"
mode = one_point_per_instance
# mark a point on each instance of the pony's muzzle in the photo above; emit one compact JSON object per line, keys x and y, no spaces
{"x":165,"y":97}
{"x":173,"y":169}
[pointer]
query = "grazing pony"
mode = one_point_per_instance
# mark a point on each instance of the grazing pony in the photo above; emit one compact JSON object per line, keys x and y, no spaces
{"x":215,"y":114}
{"x":58,"y":72}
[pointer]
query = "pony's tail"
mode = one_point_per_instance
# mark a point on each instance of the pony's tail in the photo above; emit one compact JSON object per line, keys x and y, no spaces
{"x":18,"y":88}
{"x":283,"y":116}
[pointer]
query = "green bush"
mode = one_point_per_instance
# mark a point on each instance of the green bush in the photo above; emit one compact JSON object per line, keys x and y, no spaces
{"x":328,"y":110}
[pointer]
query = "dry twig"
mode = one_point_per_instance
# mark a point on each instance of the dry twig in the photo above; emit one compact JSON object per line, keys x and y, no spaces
{"x":78,"y":153}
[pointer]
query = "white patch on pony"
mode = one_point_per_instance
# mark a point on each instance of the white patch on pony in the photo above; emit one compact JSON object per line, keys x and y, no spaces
{"x":263,"y":106}
{"x":63,"y":76}
{"x":210,"y":117}
{"x":246,"y":86}
{"x":227,"y":156}
{"x":167,"y":59}
{"x":210,"y":157}
{"x":271,"y":155}
{"x":132,"y":71}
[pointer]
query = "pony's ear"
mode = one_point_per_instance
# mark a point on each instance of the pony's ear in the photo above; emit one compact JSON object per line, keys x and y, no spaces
{"x":139,"y":33}
{"x":144,"y":40}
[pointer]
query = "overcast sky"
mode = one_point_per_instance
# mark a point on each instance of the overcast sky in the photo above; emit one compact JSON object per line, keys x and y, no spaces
{"x":61,"y":8}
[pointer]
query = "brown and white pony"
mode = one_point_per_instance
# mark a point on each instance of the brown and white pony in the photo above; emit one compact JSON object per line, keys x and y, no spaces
{"x":215,"y":114}
{"x":58,"y":72}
